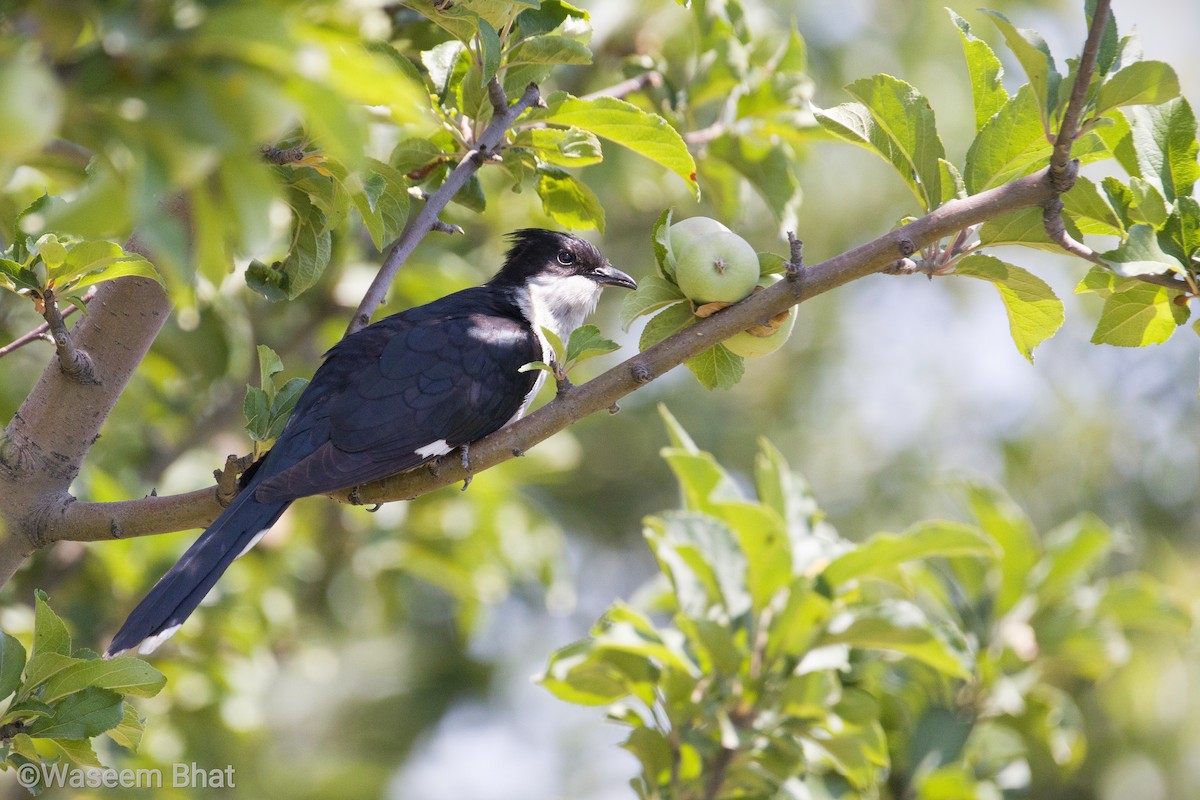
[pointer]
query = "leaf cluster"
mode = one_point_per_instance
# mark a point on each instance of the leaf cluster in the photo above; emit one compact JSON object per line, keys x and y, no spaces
{"x":779,"y":659}
{"x":63,"y":698}
{"x":1132,"y":115}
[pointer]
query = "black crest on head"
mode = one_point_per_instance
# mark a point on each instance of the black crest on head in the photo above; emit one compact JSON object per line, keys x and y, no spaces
{"x":534,"y":251}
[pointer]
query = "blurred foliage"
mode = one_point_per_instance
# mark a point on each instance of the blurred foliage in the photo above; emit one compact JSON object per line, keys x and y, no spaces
{"x":282,"y":146}
{"x":938,"y":662}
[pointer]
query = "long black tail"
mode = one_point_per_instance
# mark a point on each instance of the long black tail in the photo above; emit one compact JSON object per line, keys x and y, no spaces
{"x":176,"y":595}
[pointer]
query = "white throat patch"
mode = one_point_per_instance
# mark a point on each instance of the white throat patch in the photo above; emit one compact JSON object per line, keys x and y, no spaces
{"x":560,"y":304}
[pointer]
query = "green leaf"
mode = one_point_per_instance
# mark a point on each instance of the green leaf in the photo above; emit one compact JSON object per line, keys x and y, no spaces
{"x":1026,"y":228}
{"x":899,"y":626}
{"x":52,"y":251}
{"x":129,"y":732}
{"x":883,"y":551}
{"x":1138,"y":315}
{"x":1034,"y":56}
{"x":453,"y":18}
{"x":768,"y":168}
{"x":382,"y":203}
{"x":282,"y":405}
{"x":587,"y":342}
{"x":256,"y":408}
{"x":1002,"y":520}
{"x":652,"y":294}
{"x":489,"y":44}
{"x":1091,"y":210}
{"x":12,"y":663}
{"x":1164,"y":140}
{"x":622,"y":123}
{"x":269,"y":365}
{"x":763,"y":539}
{"x":1072,"y":551}
{"x":1140,"y":83}
{"x":1034,"y":312}
{"x":41,"y":667}
{"x":16,"y":278}
{"x":660,"y":239}
{"x":568,"y":201}
{"x":896,"y":121}
{"x":1139,"y":602}
{"x":78,"y":752}
{"x":985,"y":70}
{"x":1011,"y":144}
{"x":556,"y":344}
{"x":129,"y":266}
{"x":701,"y":558}
{"x":82,"y":715}
{"x":50,"y":634}
{"x":125,"y":675}
{"x":718,"y":367}
{"x":1180,"y":236}
{"x":1140,"y":254}
{"x":564,"y":147}
{"x":670,"y":320}
{"x":536,"y":365}
{"x":583,"y":674}
{"x":1148,"y":203}
{"x":26,"y":710}
{"x":549,"y":49}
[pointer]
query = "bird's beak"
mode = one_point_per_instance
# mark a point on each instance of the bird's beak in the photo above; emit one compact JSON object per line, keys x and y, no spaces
{"x":608,"y":275}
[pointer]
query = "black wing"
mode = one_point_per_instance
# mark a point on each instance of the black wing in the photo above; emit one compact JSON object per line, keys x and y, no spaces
{"x":387,"y":397}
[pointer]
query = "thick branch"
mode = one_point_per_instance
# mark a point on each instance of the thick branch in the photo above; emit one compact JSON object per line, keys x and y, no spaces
{"x":46,"y":441}
{"x":489,"y":142}
{"x":606,"y":389}
{"x":153,"y":515}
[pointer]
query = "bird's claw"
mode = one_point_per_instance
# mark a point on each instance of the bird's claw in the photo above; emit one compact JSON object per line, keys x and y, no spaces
{"x":466,"y":465}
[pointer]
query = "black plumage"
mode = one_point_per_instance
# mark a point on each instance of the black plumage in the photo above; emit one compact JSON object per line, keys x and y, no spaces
{"x":393,"y":396}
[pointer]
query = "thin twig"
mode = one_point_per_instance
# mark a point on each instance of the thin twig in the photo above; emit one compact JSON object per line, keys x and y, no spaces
{"x":74,"y":362}
{"x":1062,"y":177}
{"x":488,"y":144}
{"x":40,"y":332}
{"x":628,"y":87}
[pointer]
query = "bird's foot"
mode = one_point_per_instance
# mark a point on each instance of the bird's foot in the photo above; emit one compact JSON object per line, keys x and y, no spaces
{"x":466,"y":465}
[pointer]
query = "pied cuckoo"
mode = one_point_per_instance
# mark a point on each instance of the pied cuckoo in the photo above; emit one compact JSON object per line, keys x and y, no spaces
{"x":393,"y":396}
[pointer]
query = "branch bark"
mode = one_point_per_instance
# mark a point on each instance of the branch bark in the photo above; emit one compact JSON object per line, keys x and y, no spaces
{"x":43,"y":447}
{"x":80,"y":521}
{"x":1064,"y":169}
{"x":488,"y":144}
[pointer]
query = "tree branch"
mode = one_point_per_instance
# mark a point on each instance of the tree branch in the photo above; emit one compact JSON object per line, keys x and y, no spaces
{"x":74,"y":361}
{"x":628,"y":87}
{"x":488,"y":144}
{"x":76,"y":521}
{"x":1064,"y":170}
{"x":43,"y":446}
{"x":42,"y":330}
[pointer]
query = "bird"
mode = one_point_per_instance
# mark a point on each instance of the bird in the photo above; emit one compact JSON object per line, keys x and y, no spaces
{"x":392,"y":396}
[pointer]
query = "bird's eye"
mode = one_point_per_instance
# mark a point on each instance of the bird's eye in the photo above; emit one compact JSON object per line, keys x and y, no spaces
{"x":566,"y":258}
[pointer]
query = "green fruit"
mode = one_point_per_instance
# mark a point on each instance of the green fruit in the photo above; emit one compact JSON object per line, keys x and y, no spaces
{"x":748,"y":345}
{"x":719,"y":267}
{"x":685,"y":230}
{"x":31,"y":107}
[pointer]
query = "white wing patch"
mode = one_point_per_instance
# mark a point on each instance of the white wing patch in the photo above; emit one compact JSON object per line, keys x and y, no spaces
{"x":438,"y":448}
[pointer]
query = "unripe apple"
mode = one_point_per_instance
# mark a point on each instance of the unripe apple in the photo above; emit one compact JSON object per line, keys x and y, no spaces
{"x":31,"y":107}
{"x":685,"y":230}
{"x":717,"y":267}
{"x":759,"y":341}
